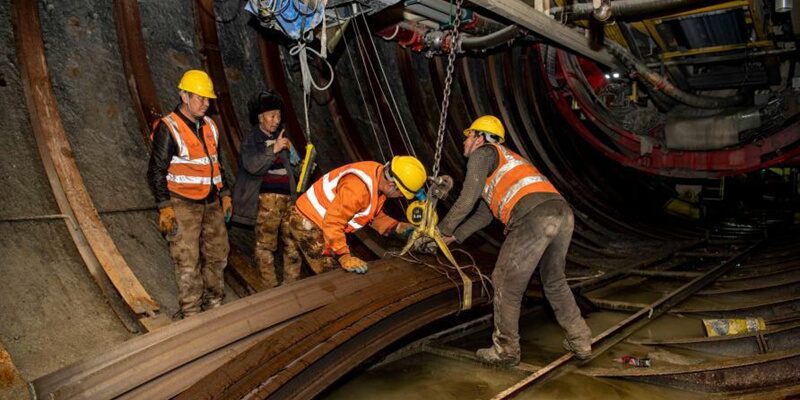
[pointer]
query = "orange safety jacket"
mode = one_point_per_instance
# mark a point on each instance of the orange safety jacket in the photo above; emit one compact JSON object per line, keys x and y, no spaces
{"x":316,"y":203}
{"x":193,"y":170}
{"x":514,"y":178}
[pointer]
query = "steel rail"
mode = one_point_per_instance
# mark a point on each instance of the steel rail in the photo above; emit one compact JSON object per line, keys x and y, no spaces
{"x":281,"y":353}
{"x":416,"y":93}
{"x":730,"y":376}
{"x":147,"y":357}
{"x":562,"y":167}
{"x":499,"y":100}
{"x":423,"y":121}
{"x":206,"y":24}
{"x":148,"y":108}
{"x":779,"y":338}
{"x":269,"y":57}
{"x":146,"y":104}
{"x":633,"y":323}
{"x":455,"y":123}
{"x":366,"y":320}
{"x":320,"y":375}
{"x":176,"y":381}
{"x":784,"y":279}
{"x":515,"y":73}
{"x":91,"y":238}
{"x":470,"y":102}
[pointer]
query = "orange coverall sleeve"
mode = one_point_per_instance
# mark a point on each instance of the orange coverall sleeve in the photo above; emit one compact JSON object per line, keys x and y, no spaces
{"x":352,"y":196}
{"x":383,"y":223}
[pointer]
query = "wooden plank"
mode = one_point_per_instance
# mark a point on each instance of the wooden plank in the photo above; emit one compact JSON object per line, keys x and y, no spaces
{"x":527,"y":17}
{"x":240,"y":266}
{"x":55,"y":150}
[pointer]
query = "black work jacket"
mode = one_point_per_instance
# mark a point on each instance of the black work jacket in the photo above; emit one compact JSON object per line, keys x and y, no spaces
{"x":164,"y":148}
{"x":255,"y":160}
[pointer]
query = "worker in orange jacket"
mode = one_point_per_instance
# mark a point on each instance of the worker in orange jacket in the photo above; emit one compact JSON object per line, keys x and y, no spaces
{"x":186,"y":177}
{"x":539,"y":225}
{"x":345,"y":200}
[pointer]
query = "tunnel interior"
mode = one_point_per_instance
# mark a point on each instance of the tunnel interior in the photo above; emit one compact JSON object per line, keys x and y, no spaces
{"x":673,"y":133}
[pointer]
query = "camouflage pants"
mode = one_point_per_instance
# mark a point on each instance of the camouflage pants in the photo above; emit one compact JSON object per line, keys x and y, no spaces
{"x":310,"y":242}
{"x":199,"y":250}
{"x":540,"y":239}
{"x":273,"y":221}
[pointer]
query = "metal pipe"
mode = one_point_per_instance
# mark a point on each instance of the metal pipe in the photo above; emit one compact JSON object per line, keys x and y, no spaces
{"x":481,"y":21}
{"x":429,"y":13}
{"x":634,"y":9}
{"x":663,"y":85}
{"x":527,"y":17}
{"x":491,"y":40}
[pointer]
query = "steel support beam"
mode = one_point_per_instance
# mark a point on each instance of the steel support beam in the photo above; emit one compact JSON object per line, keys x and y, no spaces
{"x":527,"y":17}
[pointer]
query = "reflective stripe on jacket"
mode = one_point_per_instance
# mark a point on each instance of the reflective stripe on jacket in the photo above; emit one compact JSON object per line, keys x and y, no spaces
{"x":513,"y":178}
{"x":314,"y":203}
{"x":343,"y":201}
{"x":194,"y":168}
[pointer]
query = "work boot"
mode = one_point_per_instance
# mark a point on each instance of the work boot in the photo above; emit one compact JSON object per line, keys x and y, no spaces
{"x":183,"y":315}
{"x":212,"y":304}
{"x":490,"y":356}
{"x":581,"y":352}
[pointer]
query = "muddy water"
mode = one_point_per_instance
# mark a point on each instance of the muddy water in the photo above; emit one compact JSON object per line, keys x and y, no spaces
{"x":426,"y":376}
{"x":636,"y":290}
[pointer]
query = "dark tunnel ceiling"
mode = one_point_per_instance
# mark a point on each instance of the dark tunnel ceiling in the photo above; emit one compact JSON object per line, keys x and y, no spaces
{"x":601,"y":139}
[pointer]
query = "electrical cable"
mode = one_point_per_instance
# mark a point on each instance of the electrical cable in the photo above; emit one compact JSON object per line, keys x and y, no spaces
{"x":361,"y":50}
{"x":404,"y":133}
{"x":360,"y":90}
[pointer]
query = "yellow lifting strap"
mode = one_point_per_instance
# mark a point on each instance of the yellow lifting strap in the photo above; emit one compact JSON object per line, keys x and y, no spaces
{"x":427,"y":227}
{"x":306,"y":168}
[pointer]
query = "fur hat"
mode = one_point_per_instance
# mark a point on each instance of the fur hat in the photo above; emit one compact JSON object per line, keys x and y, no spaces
{"x":265,"y":101}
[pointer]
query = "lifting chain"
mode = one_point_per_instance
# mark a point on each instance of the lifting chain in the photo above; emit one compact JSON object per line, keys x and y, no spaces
{"x":448,"y":82}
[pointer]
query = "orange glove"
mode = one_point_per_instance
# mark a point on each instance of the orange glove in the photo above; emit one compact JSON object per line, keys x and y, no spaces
{"x":227,"y":208}
{"x":403,"y":230}
{"x":353,"y":264}
{"x":166,"y":220}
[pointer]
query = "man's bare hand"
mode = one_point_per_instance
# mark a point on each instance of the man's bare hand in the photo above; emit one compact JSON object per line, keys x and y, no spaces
{"x":281,"y":143}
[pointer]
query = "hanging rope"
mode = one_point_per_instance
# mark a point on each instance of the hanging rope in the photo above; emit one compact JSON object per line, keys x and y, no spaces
{"x":301,"y":50}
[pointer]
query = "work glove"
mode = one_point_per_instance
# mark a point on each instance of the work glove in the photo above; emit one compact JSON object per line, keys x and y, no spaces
{"x":227,"y":208}
{"x":353,"y":264}
{"x":166,"y":221}
{"x":403,"y":230}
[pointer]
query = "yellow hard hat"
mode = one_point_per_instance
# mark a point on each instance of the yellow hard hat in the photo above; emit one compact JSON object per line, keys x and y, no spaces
{"x":197,"y":82}
{"x":409,"y":175}
{"x":489,"y":124}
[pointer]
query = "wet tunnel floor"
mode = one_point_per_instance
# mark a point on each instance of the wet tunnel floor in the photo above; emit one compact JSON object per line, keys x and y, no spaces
{"x":428,"y":376}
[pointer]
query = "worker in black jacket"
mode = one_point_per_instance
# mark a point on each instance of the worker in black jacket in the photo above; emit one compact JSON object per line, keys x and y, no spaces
{"x":188,"y":182}
{"x":265,"y":187}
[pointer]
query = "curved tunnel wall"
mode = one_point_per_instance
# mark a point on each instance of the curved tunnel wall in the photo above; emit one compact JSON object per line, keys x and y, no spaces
{"x":89,"y":81}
